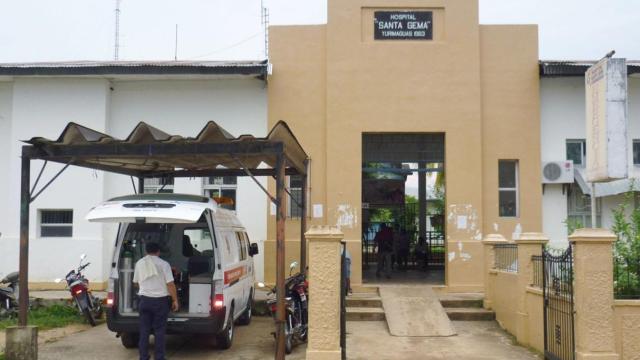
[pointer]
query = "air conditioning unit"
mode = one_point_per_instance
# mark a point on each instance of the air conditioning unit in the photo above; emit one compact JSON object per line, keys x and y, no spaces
{"x":557,"y":172}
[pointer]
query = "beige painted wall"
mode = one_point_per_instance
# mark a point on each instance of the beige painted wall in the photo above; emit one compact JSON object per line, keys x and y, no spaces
{"x":332,"y":83}
{"x":627,"y":328}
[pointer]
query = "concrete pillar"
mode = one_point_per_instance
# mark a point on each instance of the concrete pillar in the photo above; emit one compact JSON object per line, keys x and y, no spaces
{"x":21,"y":343}
{"x":489,"y":260}
{"x":529,"y":244}
{"x":593,"y":294}
{"x":324,"y":293}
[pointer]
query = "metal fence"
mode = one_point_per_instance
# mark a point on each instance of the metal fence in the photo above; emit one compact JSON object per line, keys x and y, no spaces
{"x":626,"y":277}
{"x":506,"y":258}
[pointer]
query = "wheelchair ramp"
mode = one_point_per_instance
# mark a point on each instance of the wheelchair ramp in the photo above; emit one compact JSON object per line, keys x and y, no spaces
{"x":414,"y":311}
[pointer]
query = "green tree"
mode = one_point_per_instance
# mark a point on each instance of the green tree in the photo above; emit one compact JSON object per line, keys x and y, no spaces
{"x":626,"y":226}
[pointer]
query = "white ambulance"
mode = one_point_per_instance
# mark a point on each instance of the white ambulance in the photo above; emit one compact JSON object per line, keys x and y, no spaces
{"x":209,"y":253}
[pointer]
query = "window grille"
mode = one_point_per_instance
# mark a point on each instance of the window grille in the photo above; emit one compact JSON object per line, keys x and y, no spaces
{"x":508,"y":188}
{"x":56,"y":223}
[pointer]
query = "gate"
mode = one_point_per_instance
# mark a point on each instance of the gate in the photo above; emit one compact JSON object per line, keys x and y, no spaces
{"x":557,"y":289}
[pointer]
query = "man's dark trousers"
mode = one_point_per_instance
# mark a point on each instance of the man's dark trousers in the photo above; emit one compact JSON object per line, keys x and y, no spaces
{"x":153,"y":319}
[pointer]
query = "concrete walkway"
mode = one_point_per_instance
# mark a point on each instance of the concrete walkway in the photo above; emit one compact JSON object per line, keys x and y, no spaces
{"x":476,"y":340}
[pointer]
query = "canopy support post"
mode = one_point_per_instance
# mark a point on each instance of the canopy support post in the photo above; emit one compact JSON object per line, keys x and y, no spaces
{"x":280,"y":244}
{"x":25,"y":200}
{"x":141,"y":185}
{"x":303,"y":223}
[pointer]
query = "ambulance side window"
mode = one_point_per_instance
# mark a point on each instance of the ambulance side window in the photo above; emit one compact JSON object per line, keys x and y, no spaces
{"x":242,"y":251}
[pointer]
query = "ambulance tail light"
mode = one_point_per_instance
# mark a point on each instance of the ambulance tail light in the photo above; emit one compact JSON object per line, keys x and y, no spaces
{"x":111,"y":300}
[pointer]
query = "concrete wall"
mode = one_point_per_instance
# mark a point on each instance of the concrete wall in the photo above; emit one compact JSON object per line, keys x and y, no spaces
{"x":43,"y":106}
{"x":333,"y":83}
{"x":562,"y":117}
{"x":627,"y":328}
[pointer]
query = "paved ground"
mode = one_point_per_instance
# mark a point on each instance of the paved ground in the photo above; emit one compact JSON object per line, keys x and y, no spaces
{"x":250,"y":342}
{"x":476,"y":340}
{"x":481,"y":340}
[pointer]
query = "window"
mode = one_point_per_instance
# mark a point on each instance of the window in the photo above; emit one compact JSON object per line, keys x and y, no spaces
{"x":222,"y":186}
{"x":56,"y":223}
{"x":579,"y":208}
{"x":636,"y":152}
{"x":295,"y":188}
{"x":508,"y":188}
{"x":241,"y":246}
{"x":577,"y":151}
{"x":158,"y":185}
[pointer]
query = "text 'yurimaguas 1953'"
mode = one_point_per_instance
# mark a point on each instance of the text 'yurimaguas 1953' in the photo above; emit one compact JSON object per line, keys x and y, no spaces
{"x":403,"y":25}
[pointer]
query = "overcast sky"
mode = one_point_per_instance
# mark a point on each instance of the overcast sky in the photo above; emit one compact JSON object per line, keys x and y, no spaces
{"x":45,"y":30}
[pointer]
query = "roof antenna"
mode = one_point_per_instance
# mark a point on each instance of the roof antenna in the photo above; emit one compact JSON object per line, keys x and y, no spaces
{"x":116,"y":50}
{"x":265,"y":22}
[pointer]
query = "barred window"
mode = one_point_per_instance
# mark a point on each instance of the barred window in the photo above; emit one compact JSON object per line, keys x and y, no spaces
{"x":56,"y":223}
{"x":158,"y":185}
{"x":295,"y":188}
{"x":508,"y":188}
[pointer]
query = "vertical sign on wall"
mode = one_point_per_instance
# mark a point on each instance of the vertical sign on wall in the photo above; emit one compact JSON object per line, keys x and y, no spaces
{"x":606,"y":126}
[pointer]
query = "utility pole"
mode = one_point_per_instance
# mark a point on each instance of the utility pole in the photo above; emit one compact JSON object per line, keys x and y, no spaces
{"x":175,"y":54}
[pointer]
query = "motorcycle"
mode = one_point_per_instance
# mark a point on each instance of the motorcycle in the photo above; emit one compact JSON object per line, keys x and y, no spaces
{"x":296,"y":308}
{"x":9,"y":295}
{"x":89,"y":305}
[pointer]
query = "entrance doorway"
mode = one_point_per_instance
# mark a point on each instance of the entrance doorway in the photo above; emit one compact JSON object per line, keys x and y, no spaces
{"x":403,"y":199}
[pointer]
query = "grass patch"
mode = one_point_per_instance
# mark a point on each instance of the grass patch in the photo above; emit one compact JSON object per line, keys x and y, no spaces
{"x":50,"y":317}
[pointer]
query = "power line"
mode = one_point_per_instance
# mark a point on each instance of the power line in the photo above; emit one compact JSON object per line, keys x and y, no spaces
{"x":228,"y":47}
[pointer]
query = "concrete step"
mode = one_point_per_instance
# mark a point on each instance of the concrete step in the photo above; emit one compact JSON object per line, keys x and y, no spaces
{"x":367,"y":302}
{"x":365,"y":314}
{"x":470,"y":314}
{"x":363,"y":289}
{"x":461,"y":303}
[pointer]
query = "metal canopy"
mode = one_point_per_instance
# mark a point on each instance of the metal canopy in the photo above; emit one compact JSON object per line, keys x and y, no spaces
{"x":150,"y":152}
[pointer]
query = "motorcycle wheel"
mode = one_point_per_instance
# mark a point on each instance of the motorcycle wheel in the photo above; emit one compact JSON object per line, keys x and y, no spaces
{"x":288,"y":336}
{"x":89,"y":315}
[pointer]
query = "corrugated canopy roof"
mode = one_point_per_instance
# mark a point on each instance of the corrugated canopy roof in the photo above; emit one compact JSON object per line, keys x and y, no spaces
{"x":557,"y":68}
{"x":151,"y":152}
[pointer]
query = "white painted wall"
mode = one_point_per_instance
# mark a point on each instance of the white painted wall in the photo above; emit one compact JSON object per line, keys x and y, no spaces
{"x":563,"y":117}
{"x":42,"y":107}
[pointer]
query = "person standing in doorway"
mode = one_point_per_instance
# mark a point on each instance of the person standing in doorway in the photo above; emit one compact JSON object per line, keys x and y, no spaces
{"x":384,"y":243}
{"x":155,"y":282}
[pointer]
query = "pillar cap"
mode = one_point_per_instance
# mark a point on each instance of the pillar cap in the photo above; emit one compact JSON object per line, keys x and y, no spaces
{"x":532,"y":238}
{"x":491,"y":239}
{"x":592,"y":236}
{"x":324,"y":232}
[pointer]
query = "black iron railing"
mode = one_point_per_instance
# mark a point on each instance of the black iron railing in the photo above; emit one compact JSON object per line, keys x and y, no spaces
{"x":557,"y":292}
{"x":626,"y":277}
{"x":506,"y":257}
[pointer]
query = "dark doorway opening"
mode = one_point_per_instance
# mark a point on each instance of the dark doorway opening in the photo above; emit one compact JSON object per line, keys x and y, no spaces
{"x":403,"y":201}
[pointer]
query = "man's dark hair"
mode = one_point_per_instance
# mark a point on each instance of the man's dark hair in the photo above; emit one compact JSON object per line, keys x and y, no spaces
{"x":152,"y":247}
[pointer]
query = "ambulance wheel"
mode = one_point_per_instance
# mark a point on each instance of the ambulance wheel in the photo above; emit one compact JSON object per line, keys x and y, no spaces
{"x":225,"y":338}
{"x":130,"y":340}
{"x":245,"y":318}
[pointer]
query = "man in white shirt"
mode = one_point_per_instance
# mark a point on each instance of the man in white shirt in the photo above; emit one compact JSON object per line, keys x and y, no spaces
{"x":155,"y":281}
